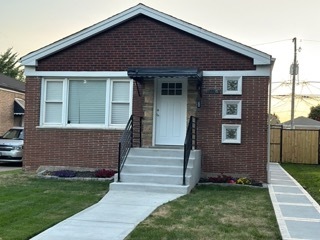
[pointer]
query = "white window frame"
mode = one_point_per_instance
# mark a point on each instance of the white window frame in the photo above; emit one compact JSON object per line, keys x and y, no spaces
{"x":225,"y":91}
{"x":224,"y":138}
{"x":43,"y":101}
{"x":110,"y":102}
{"x":225,"y":104}
{"x":64,"y":123}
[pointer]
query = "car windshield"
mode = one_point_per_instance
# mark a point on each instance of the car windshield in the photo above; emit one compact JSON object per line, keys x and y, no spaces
{"x":13,"y":134}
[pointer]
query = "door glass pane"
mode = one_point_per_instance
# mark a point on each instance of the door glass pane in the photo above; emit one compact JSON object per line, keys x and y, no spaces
{"x":171,"y":89}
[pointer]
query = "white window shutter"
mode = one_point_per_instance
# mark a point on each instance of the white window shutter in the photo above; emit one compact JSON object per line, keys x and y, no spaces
{"x":120,"y":102}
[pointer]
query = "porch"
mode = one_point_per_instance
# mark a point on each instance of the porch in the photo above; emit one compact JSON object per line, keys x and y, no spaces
{"x":165,"y":169}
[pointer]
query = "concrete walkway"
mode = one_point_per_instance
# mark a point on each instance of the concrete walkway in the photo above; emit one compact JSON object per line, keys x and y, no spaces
{"x":113,"y":218}
{"x":119,"y":212}
{"x":298,"y":214}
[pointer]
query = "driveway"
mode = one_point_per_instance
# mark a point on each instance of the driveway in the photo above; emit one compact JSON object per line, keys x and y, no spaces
{"x":9,"y":166}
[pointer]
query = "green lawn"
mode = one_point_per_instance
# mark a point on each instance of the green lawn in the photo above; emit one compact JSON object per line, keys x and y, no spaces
{"x":29,"y":205}
{"x":213,"y":212}
{"x":307,"y":175}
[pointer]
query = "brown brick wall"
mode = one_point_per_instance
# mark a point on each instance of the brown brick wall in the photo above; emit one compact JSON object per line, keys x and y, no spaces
{"x":249,"y":158}
{"x":144,"y":42}
{"x":62,"y":147}
{"x":6,"y":109}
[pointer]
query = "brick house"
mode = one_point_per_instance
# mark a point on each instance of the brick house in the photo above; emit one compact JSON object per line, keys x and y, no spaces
{"x":11,"y":103}
{"x":82,"y":89}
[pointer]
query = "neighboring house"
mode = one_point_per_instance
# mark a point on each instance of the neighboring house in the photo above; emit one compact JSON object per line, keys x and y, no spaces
{"x":82,"y":89}
{"x":11,"y":103}
{"x":302,"y":123}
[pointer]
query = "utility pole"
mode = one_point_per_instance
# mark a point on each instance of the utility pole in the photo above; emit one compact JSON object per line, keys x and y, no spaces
{"x":294,"y":72}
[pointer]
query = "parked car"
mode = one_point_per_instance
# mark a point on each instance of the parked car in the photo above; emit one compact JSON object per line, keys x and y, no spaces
{"x":11,"y":145}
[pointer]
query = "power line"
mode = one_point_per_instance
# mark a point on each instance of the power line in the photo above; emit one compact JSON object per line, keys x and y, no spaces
{"x":307,"y":40}
{"x":259,"y":44}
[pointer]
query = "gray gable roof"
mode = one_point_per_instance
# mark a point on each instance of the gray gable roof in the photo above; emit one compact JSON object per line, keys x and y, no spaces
{"x":11,"y":83}
{"x":303,"y":121}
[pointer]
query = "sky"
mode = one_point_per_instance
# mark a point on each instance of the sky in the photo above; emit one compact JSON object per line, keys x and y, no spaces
{"x":269,"y":26}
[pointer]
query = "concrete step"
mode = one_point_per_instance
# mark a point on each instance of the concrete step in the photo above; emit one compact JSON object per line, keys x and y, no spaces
{"x":158,"y":170}
{"x":154,"y":178}
{"x":159,"y":152}
{"x":149,"y":187}
{"x":157,"y":160}
{"x":154,"y":169}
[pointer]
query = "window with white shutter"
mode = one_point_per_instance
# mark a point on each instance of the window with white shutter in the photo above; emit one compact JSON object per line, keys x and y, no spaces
{"x":120,"y":102}
{"x":53,"y":102}
{"x":82,"y":103}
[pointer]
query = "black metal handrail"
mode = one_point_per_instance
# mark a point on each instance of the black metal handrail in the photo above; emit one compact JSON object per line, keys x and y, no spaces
{"x":126,"y":142}
{"x":189,"y":143}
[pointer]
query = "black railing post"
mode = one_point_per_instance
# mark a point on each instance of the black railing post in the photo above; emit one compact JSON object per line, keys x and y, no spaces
{"x":196,"y":134}
{"x":189,"y":143}
{"x":140,"y":131}
{"x":184,"y":164}
{"x":119,"y":161}
{"x":125,"y":143}
{"x":131,"y":132}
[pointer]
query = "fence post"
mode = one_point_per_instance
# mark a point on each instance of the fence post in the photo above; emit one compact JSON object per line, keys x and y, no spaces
{"x":281,"y":142}
{"x":319,"y":147}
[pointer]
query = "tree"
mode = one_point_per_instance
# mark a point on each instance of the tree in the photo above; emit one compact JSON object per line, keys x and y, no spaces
{"x":9,"y":65}
{"x":274,"y":119}
{"x":315,"y":113}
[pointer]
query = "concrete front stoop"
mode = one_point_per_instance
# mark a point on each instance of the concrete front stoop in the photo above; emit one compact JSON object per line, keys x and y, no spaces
{"x":158,"y":170}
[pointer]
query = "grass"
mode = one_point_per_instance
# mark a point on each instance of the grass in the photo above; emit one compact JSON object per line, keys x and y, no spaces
{"x":213,"y":212}
{"x":29,"y":205}
{"x":308,"y":176}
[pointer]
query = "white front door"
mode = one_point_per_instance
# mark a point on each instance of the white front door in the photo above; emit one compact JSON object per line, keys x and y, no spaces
{"x":170,"y":111}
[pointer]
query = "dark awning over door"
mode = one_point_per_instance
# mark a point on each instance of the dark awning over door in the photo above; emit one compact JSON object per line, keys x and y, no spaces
{"x":139,"y":74}
{"x":143,"y":73}
{"x":18,"y":107}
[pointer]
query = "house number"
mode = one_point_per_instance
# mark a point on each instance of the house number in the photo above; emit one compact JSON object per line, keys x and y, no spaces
{"x":214,"y":91}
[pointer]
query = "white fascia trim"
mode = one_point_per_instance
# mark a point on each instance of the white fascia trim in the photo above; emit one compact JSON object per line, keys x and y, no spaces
{"x":258,"y":56}
{"x":261,"y":71}
{"x":12,"y":91}
{"x":30,"y":72}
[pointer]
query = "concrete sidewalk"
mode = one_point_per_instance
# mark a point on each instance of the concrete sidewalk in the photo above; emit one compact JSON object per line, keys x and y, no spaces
{"x":119,"y":212}
{"x":298,"y":214}
{"x":113,"y":218}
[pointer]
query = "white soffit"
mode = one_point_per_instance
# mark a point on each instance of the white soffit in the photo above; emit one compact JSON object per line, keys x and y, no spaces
{"x":259,"y":57}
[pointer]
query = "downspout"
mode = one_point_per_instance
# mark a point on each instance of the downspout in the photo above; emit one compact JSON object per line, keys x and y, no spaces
{"x":269,"y":124}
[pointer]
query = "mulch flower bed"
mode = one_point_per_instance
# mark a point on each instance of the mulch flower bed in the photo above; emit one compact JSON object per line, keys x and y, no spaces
{"x":106,"y":174}
{"x":231,"y":180}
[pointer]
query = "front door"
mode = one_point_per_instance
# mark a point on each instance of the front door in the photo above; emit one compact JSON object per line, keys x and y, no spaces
{"x":170,"y":111}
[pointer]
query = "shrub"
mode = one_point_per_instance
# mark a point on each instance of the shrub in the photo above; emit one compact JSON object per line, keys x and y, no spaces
{"x":65,"y":173}
{"x":103,"y":173}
